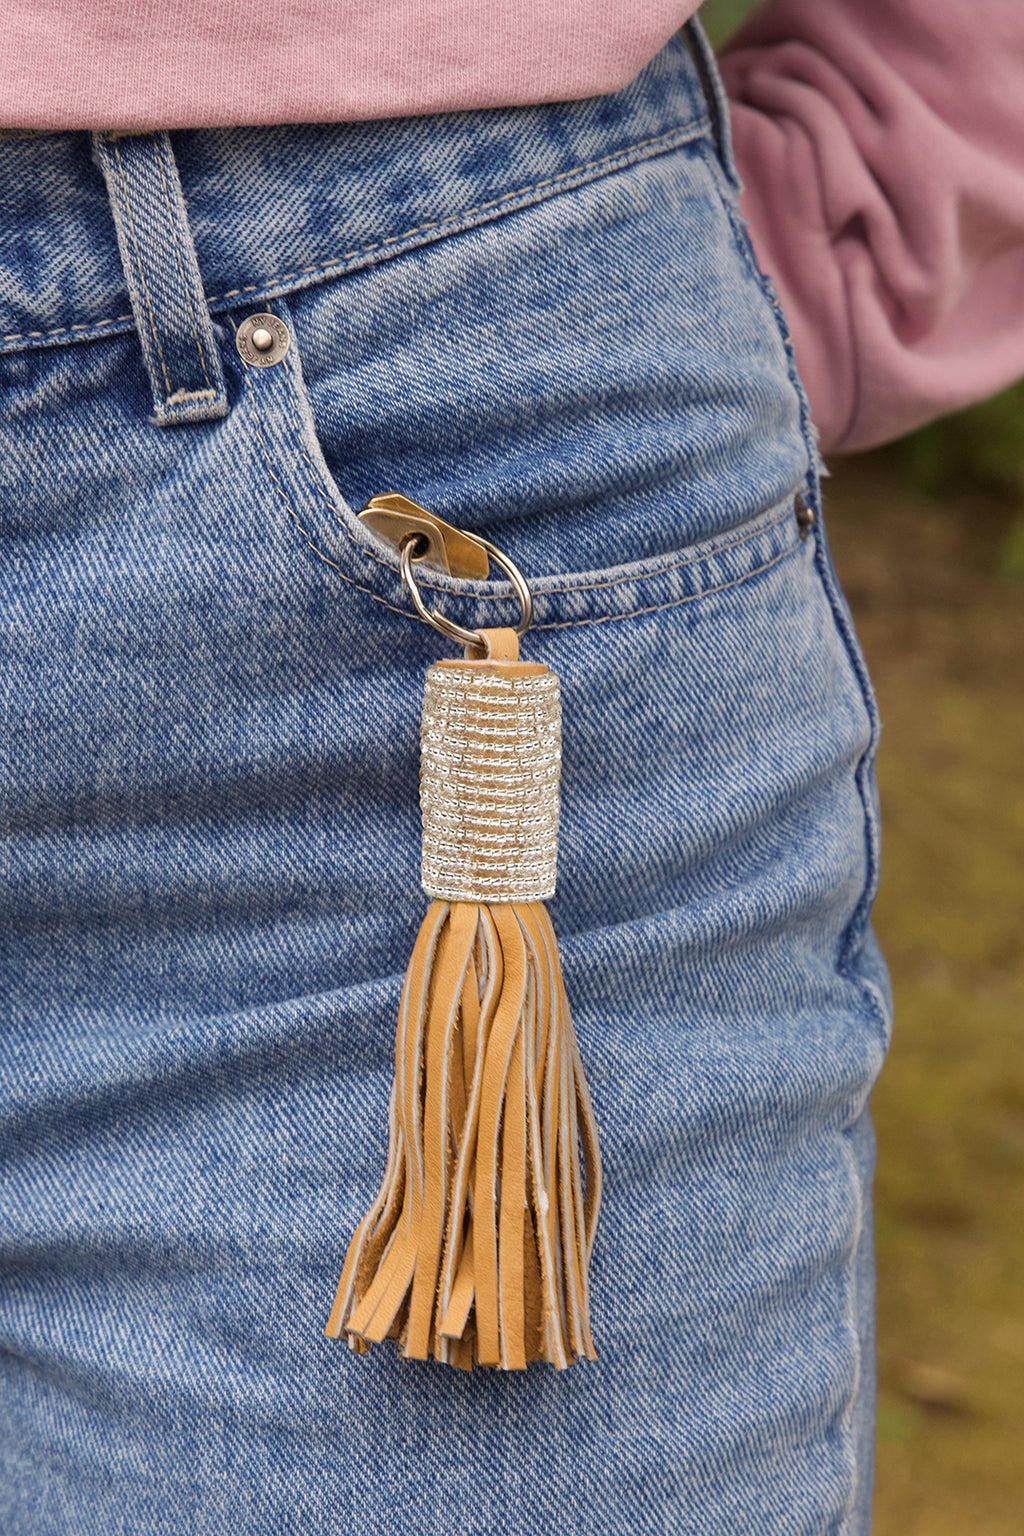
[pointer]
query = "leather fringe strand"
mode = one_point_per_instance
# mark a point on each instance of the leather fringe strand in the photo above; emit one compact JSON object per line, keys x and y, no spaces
{"x":477,"y":1248}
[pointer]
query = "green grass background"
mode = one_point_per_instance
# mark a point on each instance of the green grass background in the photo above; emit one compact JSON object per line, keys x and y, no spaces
{"x":928,"y":536}
{"x":943,"y":631}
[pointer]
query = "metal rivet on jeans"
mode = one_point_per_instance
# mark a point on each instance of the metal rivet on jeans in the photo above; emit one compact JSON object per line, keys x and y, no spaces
{"x":804,"y":515}
{"x":262,"y":340}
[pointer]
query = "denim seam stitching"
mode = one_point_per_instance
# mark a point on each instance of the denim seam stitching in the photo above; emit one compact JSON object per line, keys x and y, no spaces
{"x":294,"y":516}
{"x":173,"y":221}
{"x":62,"y":330}
{"x":677,"y":602}
{"x":609,"y":618}
{"x":141,"y":269}
{"x":564,"y":624}
{"x":676,"y":565}
{"x":855,"y":925}
{"x":679,"y":136}
{"x":597,"y":585}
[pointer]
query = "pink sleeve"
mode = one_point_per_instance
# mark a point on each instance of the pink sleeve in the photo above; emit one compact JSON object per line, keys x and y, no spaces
{"x":881,"y":143}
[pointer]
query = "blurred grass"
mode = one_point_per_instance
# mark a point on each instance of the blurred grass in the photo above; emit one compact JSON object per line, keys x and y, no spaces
{"x":981,"y":448}
{"x":943,"y":633}
{"x":720,"y":17}
{"x":928,"y":536}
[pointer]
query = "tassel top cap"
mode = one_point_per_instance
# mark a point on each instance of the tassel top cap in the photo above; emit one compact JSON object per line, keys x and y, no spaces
{"x":490,"y":765}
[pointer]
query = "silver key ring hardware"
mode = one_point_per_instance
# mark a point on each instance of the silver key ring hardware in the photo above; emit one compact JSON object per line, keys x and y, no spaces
{"x":423,"y":538}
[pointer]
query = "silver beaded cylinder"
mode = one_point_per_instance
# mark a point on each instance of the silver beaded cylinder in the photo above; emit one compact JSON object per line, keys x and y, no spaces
{"x":490,"y":761}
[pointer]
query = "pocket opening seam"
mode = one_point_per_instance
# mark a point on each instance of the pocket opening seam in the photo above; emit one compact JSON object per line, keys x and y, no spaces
{"x":553,"y":624}
{"x":283,"y":494}
{"x":711,"y":548}
{"x":853,"y":933}
{"x":677,"y":602}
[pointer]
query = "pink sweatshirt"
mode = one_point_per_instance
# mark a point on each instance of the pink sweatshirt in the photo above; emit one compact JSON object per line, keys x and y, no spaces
{"x":881,"y":141}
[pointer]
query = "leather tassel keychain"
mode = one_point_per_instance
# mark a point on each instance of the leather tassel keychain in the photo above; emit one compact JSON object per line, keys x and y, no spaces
{"x":477,"y":1247}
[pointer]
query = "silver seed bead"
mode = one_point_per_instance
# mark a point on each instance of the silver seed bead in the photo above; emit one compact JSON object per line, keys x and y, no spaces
{"x":490,"y":762}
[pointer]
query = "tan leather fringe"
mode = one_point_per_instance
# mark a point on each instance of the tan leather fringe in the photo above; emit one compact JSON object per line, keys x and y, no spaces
{"x":477,"y":1247}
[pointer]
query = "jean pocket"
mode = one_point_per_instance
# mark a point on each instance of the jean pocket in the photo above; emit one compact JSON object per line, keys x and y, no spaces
{"x":595,"y":383}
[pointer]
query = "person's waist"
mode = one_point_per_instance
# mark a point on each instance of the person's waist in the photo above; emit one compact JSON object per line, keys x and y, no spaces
{"x":277,"y":209}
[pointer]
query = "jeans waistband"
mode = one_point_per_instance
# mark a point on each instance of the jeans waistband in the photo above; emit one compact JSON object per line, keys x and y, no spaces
{"x":275,"y":209}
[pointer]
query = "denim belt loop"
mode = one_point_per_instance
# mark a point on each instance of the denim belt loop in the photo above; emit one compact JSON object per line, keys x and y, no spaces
{"x":160,"y":266}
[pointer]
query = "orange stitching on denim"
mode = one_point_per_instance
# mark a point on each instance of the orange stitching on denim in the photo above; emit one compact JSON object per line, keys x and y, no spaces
{"x":183,"y":396}
{"x":62,"y":330}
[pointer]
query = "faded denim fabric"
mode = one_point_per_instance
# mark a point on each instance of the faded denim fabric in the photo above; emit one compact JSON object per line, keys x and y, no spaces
{"x":546,"y":324}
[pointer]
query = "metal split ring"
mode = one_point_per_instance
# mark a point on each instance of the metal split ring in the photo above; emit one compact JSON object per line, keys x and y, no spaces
{"x":472,"y":637}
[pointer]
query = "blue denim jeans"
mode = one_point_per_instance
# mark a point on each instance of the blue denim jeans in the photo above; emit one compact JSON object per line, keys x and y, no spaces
{"x":545,"y":324}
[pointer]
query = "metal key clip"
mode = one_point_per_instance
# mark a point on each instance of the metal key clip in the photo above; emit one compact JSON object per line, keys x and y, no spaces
{"x":422,"y":538}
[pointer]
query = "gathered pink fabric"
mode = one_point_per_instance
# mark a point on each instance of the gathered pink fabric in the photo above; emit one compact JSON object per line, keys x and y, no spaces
{"x":882,"y":147}
{"x":881,"y":142}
